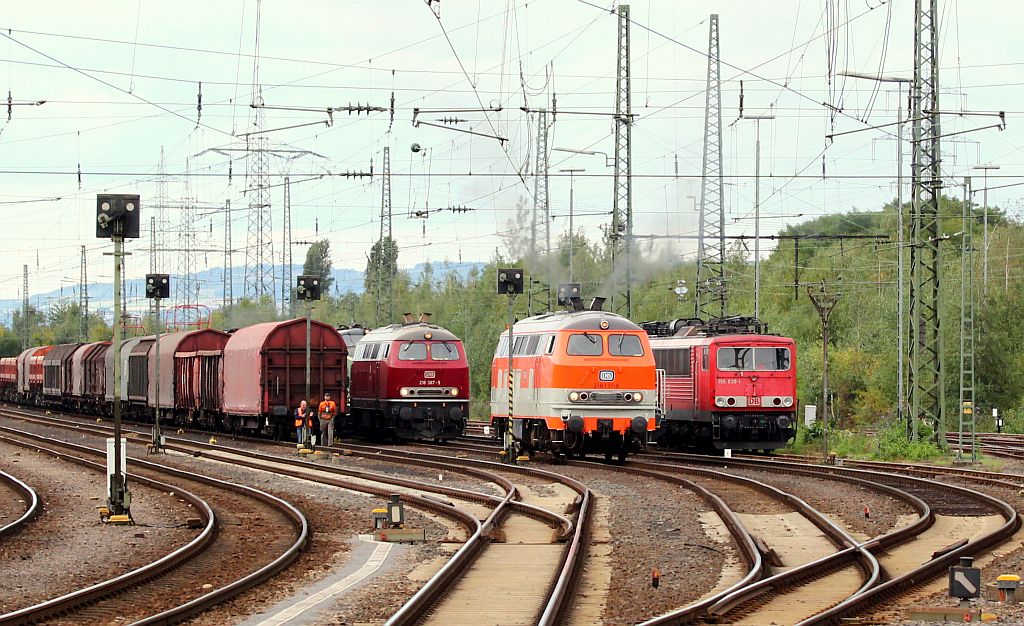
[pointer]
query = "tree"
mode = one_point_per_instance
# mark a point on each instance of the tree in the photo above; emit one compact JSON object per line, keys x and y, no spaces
{"x":318,"y":263}
{"x":381,"y":269}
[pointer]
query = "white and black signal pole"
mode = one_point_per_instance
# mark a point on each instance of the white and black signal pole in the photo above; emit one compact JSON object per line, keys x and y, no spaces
{"x":510,"y":283}
{"x":308,"y":288}
{"x":117,"y":219}
{"x":158,"y":287}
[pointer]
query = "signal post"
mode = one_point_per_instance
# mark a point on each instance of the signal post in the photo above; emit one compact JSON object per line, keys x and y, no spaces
{"x":117,"y":219}
{"x":510,"y":283}
{"x":308,"y":288}
{"x":158,"y":286}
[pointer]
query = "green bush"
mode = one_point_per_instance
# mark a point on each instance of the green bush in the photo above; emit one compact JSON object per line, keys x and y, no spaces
{"x":894,"y":445}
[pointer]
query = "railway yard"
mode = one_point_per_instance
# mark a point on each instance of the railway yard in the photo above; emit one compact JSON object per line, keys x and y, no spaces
{"x":246,"y":531}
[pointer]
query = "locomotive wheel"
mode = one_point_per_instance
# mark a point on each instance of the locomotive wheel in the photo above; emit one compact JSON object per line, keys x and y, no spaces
{"x":623,"y":453}
{"x":608,"y":455}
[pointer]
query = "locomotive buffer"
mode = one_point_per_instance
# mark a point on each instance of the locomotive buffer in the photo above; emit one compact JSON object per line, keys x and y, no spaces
{"x":117,"y":219}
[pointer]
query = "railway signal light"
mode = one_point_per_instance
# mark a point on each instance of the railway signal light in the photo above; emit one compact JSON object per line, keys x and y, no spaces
{"x":510,"y":281}
{"x":308,"y":288}
{"x":158,"y":286}
{"x":117,"y":215}
{"x":568,"y":291}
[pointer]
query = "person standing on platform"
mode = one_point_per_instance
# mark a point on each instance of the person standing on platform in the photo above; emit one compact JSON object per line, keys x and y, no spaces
{"x":328,"y":409}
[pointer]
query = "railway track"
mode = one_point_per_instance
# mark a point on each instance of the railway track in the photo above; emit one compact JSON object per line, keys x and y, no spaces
{"x":23,"y":497}
{"x":903,"y":573}
{"x":266,"y":532}
{"x":514,"y":530}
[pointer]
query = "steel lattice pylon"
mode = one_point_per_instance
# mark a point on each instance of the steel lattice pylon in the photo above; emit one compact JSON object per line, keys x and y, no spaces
{"x":156,"y":230}
{"x":259,"y":246}
{"x":710,"y":288}
{"x":83,"y":299}
{"x":228,"y":282}
{"x":286,"y":250}
{"x":384,"y":301}
{"x":967,"y":406}
{"x":926,"y":388}
{"x":185,"y":291}
{"x":540,"y":186}
{"x":24,"y":308}
{"x":621,"y":236}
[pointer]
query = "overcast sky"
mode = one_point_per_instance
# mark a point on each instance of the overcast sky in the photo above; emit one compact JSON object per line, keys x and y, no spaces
{"x":120,"y":81}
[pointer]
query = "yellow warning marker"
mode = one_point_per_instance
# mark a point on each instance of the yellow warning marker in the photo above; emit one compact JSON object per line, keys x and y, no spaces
{"x":99,"y":419}
{"x":120,"y":520}
{"x":522,"y":458}
{"x":213,"y":441}
{"x":318,"y":452}
{"x":305,"y":451}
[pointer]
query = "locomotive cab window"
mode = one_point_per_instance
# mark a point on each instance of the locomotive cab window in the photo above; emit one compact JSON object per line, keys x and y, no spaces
{"x":444,"y":351}
{"x":585,"y":344}
{"x":625,"y":345}
{"x":410,"y":351}
{"x":746,"y":358}
{"x":502,"y":347}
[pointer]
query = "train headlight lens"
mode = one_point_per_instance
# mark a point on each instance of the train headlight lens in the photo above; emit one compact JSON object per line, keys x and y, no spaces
{"x":638,"y":397}
{"x":404,"y":391}
{"x":788,"y":401}
{"x":574,"y":396}
{"x":454,"y":391}
{"x":719,"y":401}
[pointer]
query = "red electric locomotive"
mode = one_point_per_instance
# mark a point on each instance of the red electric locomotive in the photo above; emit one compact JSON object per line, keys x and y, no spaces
{"x":725,"y":383}
{"x":410,"y":381}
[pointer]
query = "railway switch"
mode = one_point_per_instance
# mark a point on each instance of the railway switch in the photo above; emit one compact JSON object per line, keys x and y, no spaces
{"x":964,"y":580}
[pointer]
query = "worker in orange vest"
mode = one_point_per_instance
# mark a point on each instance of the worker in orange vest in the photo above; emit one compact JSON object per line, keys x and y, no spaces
{"x":327,"y":410}
{"x":300,"y":417}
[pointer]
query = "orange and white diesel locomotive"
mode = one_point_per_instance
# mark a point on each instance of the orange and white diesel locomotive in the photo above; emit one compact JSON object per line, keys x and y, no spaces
{"x":584,"y":382}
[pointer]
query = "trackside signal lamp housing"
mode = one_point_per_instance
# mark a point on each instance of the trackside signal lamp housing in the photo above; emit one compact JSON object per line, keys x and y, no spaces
{"x":308,"y":287}
{"x":117,"y":214}
{"x":158,"y":286}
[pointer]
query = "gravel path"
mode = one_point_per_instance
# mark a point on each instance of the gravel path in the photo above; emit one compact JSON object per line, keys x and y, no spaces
{"x":842,"y":501}
{"x":67,"y":547}
{"x":652,"y":525}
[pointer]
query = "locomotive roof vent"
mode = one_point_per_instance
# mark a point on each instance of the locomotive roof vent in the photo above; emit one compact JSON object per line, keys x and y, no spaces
{"x":408,"y":318}
{"x":597,"y":303}
{"x":425,"y":317}
{"x":575,"y":304}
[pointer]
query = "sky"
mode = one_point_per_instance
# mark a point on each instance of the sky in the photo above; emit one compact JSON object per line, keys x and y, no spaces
{"x":120,"y":82}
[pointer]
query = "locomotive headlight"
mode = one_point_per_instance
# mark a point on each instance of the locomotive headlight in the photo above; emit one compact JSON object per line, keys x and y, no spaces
{"x":454,"y":391}
{"x":788,"y":401}
{"x":638,"y":397}
{"x":719,"y":401}
{"x":574,"y":396}
{"x":404,"y":391}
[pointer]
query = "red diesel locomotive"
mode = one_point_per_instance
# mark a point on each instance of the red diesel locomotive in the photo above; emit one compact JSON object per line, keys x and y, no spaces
{"x":409,"y":381}
{"x":725,"y":383}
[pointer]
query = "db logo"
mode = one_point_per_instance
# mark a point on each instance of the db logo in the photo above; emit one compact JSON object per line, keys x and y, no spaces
{"x":607,"y":375}
{"x":429,"y":374}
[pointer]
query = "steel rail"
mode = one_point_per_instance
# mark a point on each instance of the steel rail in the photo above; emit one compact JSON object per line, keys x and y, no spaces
{"x":435,"y":588}
{"x":31,"y":503}
{"x":80,"y":597}
{"x":529,"y":510}
{"x":926,"y":571}
{"x":572,"y":559}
